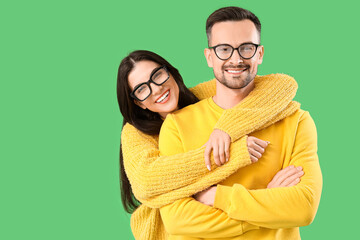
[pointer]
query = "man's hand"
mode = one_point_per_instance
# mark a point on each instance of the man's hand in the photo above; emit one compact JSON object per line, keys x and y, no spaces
{"x":219,"y":144}
{"x":256,"y":148}
{"x":207,"y":196}
{"x":289,"y":176}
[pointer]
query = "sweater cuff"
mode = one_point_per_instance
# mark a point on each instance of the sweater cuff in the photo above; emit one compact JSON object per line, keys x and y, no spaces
{"x":223,"y":197}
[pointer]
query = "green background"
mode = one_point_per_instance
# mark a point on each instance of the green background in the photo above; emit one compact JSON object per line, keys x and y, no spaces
{"x":60,"y":123}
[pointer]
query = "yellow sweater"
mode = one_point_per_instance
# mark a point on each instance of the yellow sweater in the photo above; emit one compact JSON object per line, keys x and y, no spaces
{"x":242,"y":197}
{"x":157,"y":181}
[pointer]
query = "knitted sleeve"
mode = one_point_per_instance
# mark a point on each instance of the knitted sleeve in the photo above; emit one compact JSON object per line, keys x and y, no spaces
{"x":274,"y":93}
{"x":204,"y":90}
{"x":151,"y":175}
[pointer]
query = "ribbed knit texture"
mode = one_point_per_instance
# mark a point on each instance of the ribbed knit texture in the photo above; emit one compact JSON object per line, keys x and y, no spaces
{"x":157,"y":181}
{"x":278,"y":95}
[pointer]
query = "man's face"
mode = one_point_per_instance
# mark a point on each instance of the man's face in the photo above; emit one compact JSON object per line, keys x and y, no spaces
{"x":235,"y":72}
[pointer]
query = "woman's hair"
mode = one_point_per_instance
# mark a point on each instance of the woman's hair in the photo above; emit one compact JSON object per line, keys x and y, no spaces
{"x":143,"y":119}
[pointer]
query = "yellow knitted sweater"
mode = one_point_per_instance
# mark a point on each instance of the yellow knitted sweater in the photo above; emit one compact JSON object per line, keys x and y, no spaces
{"x":157,"y":181}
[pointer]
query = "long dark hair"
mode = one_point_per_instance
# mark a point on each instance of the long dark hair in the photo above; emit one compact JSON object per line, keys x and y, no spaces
{"x":143,"y":119}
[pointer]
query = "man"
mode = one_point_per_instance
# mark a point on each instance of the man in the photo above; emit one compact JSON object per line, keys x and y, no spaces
{"x":234,"y":53}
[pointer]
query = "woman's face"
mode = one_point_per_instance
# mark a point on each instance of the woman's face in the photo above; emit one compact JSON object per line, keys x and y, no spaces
{"x":164,"y":98}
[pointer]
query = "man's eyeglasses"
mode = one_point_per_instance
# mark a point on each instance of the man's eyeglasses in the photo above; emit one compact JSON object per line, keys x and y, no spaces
{"x":159,"y":76}
{"x":245,"y":50}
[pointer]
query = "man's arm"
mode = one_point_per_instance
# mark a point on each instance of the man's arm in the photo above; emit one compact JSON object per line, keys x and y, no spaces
{"x":187,"y":216}
{"x":280,"y":207}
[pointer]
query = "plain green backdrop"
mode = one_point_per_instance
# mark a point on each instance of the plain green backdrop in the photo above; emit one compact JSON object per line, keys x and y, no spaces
{"x":60,"y":122}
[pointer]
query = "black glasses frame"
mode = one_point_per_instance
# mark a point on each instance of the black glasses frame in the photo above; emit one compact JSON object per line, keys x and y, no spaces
{"x":238,"y":50}
{"x":132,"y":94}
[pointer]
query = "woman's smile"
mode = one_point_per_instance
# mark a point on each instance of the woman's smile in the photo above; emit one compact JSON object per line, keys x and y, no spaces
{"x":164,"y":97}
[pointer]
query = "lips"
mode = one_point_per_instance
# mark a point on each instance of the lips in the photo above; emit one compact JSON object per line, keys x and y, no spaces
{"x":164,"y":97}
{"x":235,"y":69}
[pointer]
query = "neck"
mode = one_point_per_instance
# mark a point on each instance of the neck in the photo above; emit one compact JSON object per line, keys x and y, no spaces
{"x":227,"y":98}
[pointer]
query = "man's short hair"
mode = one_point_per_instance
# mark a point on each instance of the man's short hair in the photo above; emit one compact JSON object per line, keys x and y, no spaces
{"x":231,"y":14}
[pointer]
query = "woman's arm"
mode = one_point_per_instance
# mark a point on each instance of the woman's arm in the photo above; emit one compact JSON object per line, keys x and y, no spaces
{"x":148,"y":172}
{"x":151,"y":175}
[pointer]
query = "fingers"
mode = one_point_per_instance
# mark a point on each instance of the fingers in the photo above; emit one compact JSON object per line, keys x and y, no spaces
{"x":222,"y":153}
{"x":255,"y":153}
{"x":253,"y":159}
{"x":256,"y":148}
{"x":227,"y":150}
{"x":219,"y":144}
{"x":295,"y":182}
{"x":216,"y":156}
{"x":263,"y":144}
{"x":292,"y":179}
{"x":207,"y":156}
{"x":275,"y":182}
{"x":287,"y":177}
{"x":287,"y":173}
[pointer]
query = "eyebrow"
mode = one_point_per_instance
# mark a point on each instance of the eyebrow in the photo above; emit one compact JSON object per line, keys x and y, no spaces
{"x":152,"y":72}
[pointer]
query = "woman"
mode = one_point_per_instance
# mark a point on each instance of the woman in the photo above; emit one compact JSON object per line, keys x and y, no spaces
{"x":148,"y":88}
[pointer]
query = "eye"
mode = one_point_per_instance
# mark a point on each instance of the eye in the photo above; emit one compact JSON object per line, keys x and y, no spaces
{"x":247,"y":48}
{"x":160,"y":76}
{"x":140,"y":89}
{"x":157,"y":74}
{"x":224,"y":48}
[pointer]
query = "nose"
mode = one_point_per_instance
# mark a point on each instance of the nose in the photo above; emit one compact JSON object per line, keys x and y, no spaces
{"x":235,"y":58}
{"x":155,"y":89}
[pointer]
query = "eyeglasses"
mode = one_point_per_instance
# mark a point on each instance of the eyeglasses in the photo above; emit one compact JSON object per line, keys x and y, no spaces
{"x":159,"y":76}
{"x":245,"y":50}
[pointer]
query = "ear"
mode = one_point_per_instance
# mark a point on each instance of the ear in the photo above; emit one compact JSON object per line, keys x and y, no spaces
{"x":207,"y":53}
{"x":140,"y":104}
{"x":261,"y":54}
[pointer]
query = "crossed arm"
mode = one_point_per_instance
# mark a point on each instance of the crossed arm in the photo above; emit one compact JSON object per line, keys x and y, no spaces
{"x":270,"y":208}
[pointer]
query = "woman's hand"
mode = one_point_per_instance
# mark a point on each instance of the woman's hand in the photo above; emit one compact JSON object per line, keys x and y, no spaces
{"x":256,"y":148}
{"x":219,"y":144}
{"x":289,"y":176}
{"x":207,"y":196}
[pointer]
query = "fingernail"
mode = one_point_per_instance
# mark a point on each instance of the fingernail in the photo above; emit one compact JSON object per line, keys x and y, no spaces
{"x":299,"y":168}
{"x":208,"y":167}
{"x":268,"y":142}
{"x":292,"y":166}
{"x":227,"y":159}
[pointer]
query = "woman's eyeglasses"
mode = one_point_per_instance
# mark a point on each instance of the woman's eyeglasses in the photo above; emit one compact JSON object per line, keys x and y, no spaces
{"x":143,"y":91}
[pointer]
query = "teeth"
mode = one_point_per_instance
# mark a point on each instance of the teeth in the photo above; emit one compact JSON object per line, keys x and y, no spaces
{"x":232,"y":71}
{"x":163,"y":97}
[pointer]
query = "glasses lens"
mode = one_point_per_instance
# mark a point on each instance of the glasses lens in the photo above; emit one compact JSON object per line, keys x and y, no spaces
{"x":160,"y":76}
{"x":142,"y":92}
{"x":223,"y":51}
{"x":247,"y":50}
